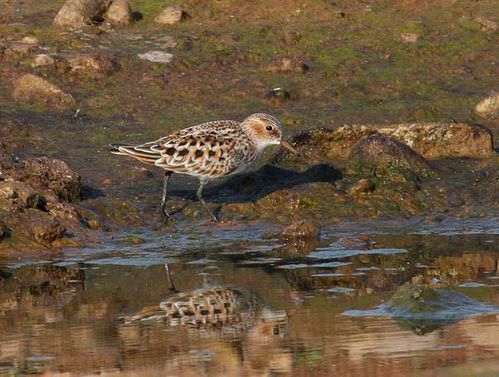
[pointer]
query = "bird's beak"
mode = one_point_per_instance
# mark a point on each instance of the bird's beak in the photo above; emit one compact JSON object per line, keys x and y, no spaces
{"x":286,"y":145}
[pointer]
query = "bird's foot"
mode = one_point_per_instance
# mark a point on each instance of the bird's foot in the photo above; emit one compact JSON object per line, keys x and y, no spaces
{"x":166,"y":217}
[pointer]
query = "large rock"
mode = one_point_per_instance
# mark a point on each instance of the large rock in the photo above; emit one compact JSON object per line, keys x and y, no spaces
{"x":432,"y":140}
{"x":78,"y":13}
{"x":54,"y":174}
{"x":488,"y":107}
{"x":119,"y":13}
{"x":379,"y":156}
{"x":435,"y":140}
{"x":31,"y":88}
{"x":330,"y":145}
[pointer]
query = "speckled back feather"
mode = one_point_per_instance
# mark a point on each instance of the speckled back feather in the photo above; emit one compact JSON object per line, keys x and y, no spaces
{"x":211,"y":149}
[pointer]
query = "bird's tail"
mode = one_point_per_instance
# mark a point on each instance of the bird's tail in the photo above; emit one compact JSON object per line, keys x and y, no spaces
{"x":143,"y":153}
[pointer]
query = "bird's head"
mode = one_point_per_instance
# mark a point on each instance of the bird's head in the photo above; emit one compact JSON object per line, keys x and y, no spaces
{"x":265,"y":130}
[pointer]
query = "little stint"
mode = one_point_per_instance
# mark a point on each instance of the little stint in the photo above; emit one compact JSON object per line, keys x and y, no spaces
{"x":211,"y":150}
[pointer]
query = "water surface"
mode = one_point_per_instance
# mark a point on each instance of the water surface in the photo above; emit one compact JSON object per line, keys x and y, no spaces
{"x":241,"y":304}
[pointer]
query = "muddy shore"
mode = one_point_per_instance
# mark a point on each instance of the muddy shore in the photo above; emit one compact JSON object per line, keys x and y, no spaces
{"x":382,"y":109}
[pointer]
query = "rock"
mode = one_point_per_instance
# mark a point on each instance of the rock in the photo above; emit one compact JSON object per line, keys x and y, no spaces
{"x":277,"y":96}
{"x":45,"y":232}
{"x":30,"y":40}
{"x":409,"y":37}
{"x":488,"y":107}
{"x":291,"y":37}
{"x":156,"y":56}
{"x":487,"y":25}
{"x":170,"y":15}
{"x":63,"y":211}
{"x":119,"y":13}
{"x":31,"y":88}
{"x":330,"y":145}
{"x":16,"y":196}
{"x":287,"y":64}
{"x":363,"y":186}
{"x":432,"y":140}
{"x":93,"y":65}
{"x":379,"y":155}
{"x":78,"y":13}
{"x":435,"y":140}
{"x":304,"y":229}
{"x":94,"y":224}
{"x":17,"y":50}
{"x":42,"y":60}
{"x":54,"y":174}
{"x":165,"y":41}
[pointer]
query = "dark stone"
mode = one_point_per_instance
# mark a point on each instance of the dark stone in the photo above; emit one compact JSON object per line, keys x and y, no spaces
{"x":381,"y":156}
{"x":277,"y":96}
{"x":46,"y":232}
{"x":54,"y":174}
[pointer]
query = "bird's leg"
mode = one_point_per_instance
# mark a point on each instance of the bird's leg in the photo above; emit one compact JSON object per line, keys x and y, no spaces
{"x":169,"y":278}
{"x":199,"y":195}
{"x":165,"y":191}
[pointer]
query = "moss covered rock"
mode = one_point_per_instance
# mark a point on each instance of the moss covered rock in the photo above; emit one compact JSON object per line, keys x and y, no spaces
{"x":381,"y":156}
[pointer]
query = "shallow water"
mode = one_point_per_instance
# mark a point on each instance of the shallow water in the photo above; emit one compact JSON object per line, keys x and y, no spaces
{"x":245,"y":304}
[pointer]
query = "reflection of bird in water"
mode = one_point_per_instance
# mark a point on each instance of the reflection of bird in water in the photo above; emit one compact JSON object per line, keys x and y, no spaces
{"x":243,"y":334}
{"x":230,"y":310}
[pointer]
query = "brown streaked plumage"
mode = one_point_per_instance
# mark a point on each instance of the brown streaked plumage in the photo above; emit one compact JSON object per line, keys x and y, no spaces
{"x":211,"y":150}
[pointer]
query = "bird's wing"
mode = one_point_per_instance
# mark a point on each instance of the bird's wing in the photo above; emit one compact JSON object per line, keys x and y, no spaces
{"x":212,"y":149}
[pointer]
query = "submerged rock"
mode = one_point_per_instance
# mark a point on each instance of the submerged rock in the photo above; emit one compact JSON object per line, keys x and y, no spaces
{"x":119,"y":13}
{"x":424,"y":309}
{"x":170,"y":15}
{"x":435,"y":140}
{"x":31,"y":88}
{"x":78,"y":13}
{"x":304,"y":229}
{"x":54,"y":174}
{"x":380,"y":155}
{"x":488,"y":107}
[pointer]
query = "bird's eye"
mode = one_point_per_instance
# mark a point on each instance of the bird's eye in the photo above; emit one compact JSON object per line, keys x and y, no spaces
{"x":269,"y":128}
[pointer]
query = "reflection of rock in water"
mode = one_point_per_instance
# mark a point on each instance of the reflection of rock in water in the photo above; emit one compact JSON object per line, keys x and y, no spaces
{"x":42,"y":285}
{"x":423,"y":309}
{"x":31,"y":298}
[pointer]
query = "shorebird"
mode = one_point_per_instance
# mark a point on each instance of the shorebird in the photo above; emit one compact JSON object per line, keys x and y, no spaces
{"x":211,"y":151}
